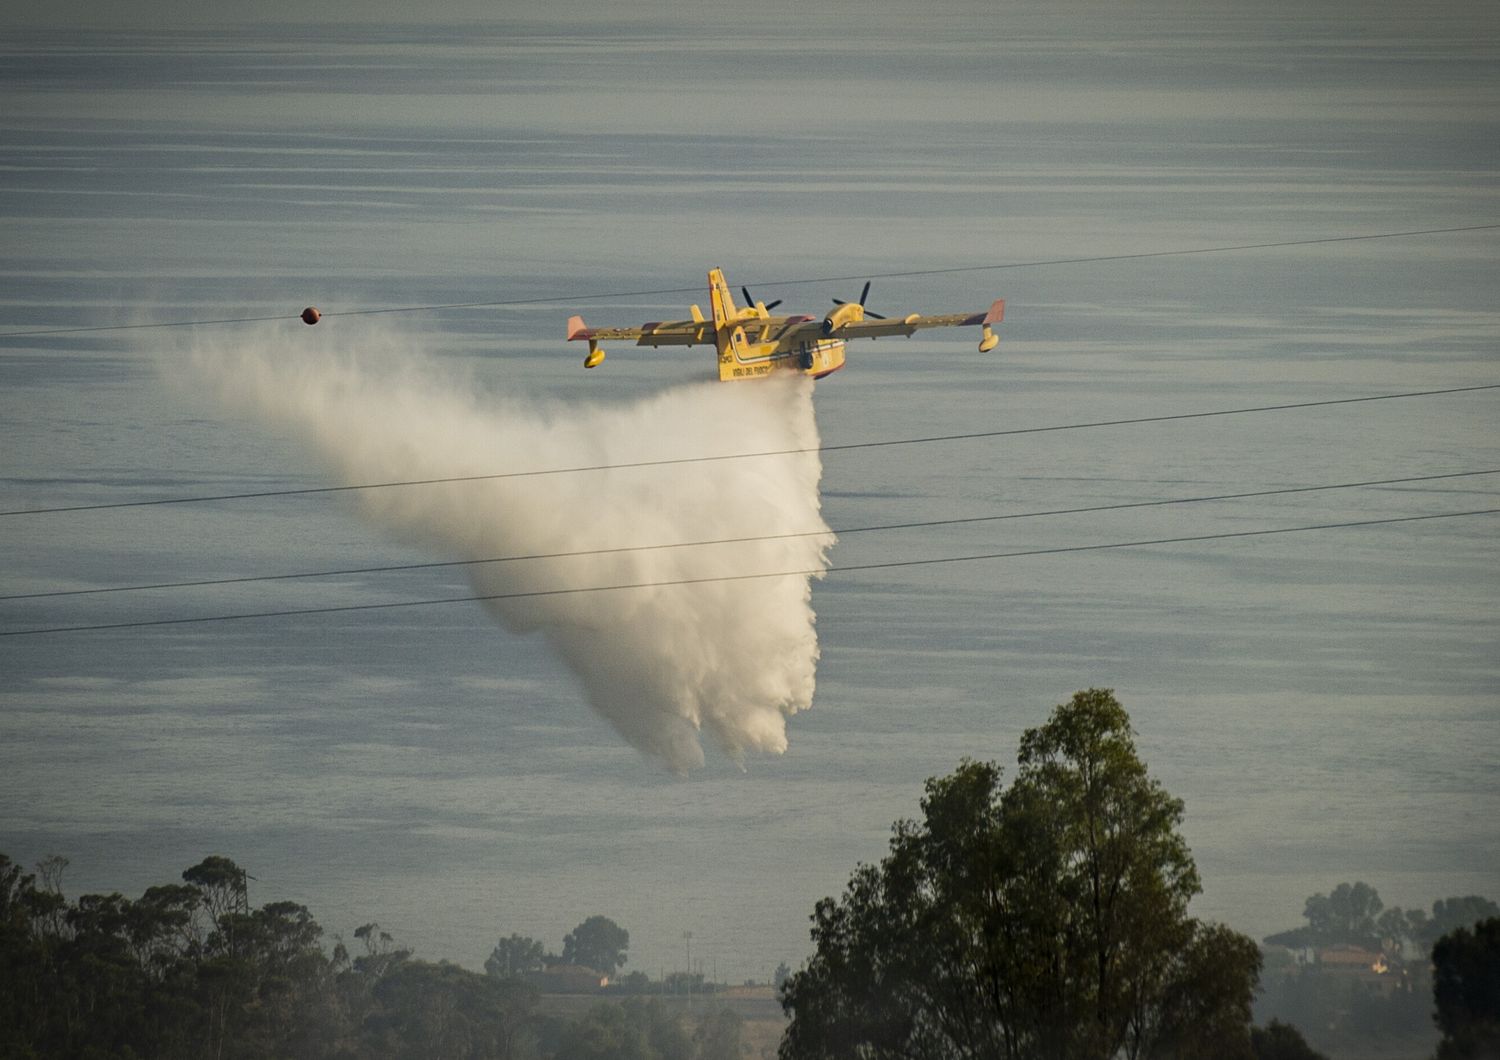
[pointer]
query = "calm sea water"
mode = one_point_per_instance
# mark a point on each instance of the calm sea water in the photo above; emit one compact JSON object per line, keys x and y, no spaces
{"x":1325,"y":702}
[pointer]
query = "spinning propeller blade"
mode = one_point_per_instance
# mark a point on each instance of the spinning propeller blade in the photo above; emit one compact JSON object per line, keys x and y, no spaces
{"x":863,"y":296}
{"x":750,"y":300}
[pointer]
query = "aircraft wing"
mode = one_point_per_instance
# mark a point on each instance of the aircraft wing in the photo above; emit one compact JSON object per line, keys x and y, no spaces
{"x":656,"y":333}
{"x":914,"y":322}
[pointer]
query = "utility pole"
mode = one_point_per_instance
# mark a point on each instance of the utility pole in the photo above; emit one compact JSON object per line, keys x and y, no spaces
{"x":688,"y":935}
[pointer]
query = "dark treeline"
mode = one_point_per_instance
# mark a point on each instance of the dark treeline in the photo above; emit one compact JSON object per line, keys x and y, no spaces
{"x":192,"y":970}
{"x":1046,"y":918}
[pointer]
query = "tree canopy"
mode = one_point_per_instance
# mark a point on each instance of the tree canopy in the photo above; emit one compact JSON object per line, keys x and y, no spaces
{"x":1048,"y":919}
{"x":598,"y":943}
{"x":1281,"y":1041}
{"x":1448,"y":914}
{"x":515,"y":956}
{"x":1346,"y":915}
{"x":1466,"y":988}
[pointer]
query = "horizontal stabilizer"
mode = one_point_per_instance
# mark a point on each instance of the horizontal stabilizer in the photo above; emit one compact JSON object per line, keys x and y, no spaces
{"x":993,"y":315}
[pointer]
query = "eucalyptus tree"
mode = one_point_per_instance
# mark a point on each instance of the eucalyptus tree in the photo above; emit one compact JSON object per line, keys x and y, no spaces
{"x":1048,"y":919}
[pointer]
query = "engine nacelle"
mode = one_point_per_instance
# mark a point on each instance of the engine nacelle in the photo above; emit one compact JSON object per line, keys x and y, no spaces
{"x":848,"y":313}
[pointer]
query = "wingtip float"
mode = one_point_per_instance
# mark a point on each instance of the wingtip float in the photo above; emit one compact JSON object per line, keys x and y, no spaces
{"x":751,"y":343}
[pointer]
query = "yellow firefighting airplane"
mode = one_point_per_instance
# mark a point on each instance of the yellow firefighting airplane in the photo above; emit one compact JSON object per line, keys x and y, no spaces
{"x":752,"y":343}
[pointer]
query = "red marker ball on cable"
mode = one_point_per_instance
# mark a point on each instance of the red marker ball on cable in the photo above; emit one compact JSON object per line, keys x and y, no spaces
{"x":310,"y":315}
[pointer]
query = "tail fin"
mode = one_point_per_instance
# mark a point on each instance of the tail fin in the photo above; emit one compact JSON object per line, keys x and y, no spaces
{"x":728,"y":335}
{"x":720,"y":300}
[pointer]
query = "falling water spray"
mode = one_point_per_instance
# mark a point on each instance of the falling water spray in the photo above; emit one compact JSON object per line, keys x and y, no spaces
{"x":698,"y":643}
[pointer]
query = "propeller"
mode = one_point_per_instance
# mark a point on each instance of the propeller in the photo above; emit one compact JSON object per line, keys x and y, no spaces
{"x":862,"y":296}
{"x":750,"y":299}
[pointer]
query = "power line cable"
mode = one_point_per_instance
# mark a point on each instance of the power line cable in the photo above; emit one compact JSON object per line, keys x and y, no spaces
{"x":578,"y":553}
{"x":670,"y":461}
{"x":1125,"y":257}
{"x":549,"y":299}
{"x":893,"y":564}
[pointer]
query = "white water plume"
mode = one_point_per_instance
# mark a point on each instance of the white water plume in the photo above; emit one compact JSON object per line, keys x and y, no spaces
{"x":716,"y":651}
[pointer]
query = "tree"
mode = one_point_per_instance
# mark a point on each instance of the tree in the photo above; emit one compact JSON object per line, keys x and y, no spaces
{"x":632,"y":1030}
{"x":1350,"y":913}
{"x":1451,"y":913}
{"x":24,"y":993}
{"x":718,"y":1035}
{"x":606,"y":1032}
{"x":1466,"y":989}
{"x":186,"y":970}
{"x":514,"y":957}
{"x":597,"y":943}
{"x":441,"y":1010}
{"x":1395,"y":928}
{"x":1346,"y":915}
{"x":1281,"y":1041}
{"x":1204,"y":1005}
{"x":1044,"y":920}
{"x":221,"y":883}
{"x":634,"y":983}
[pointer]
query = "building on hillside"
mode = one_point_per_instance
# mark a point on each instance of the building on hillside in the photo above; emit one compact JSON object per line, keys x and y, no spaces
{"x":1372,"y":969}
{"x":1346,"y":955}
